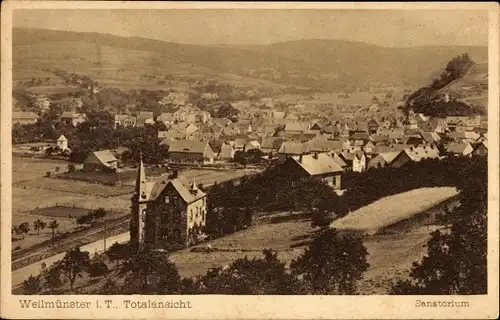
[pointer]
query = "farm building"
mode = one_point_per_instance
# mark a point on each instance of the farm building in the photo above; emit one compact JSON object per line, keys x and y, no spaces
{"x":24,"y":117}
{"x":320,"y":165}
{"x":170,"y":213}
{"x":103,"y":160}
{"x":190,"y":152}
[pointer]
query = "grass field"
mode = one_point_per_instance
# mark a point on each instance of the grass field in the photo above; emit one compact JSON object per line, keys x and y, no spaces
{"x":65,"y":225}
{"x":390,"y":210}
{"x":24,"y":169}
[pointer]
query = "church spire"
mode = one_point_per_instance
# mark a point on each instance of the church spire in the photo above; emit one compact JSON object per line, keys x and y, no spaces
{"x":140,"y":183}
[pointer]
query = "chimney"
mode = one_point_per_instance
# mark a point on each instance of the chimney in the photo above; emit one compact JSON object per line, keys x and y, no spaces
{"x":300,"y":157}
{"x":315,"y":155}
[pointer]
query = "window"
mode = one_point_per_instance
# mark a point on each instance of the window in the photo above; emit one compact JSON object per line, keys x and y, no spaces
{"x":294,"y":184}
{"x":191,"y":214}
{"x":167,"y":199}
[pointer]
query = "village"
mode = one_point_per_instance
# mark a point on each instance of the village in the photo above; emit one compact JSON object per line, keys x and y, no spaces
{"x":139,"y":168}
{"x":298,"y":137}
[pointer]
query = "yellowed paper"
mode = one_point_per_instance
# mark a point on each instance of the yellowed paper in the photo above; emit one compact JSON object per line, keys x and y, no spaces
{"x":335,"y":56}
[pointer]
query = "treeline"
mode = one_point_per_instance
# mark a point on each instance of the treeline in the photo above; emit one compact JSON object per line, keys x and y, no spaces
{"x":231,"y":205}
{"x":456,"y":260}
{"x":97,"y":133}
{"x":333,"y":263}
{"x":427,"y":100}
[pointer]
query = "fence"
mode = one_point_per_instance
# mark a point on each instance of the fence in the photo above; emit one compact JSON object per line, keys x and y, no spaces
{"x":80,"y":206}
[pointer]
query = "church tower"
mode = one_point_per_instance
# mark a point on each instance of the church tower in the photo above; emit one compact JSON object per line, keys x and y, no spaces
{"x":139,"y":208}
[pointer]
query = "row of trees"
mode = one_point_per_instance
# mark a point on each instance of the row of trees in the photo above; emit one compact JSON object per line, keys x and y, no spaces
{"x":333,"y":264}
{"x":92,"y":216}
{"x":38,"y":225}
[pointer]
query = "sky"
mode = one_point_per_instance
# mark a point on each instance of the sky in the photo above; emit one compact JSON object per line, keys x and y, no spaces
{"x":389,"y":28}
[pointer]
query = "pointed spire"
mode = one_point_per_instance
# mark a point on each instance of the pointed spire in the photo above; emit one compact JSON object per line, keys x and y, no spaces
{"x":193,"y":185}
{"x":140,"y":183}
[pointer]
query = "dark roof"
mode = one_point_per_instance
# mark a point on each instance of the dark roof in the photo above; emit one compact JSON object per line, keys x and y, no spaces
{"x":187,"y":146}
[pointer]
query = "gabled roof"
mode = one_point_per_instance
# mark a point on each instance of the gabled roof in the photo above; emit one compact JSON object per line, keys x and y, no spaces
{"x":105,"y":156}
{"x":187,"y":146}
{"x":297,"y":126}
{"x":359,"y":136}
{"x":318,"y":164}
{"x":292,"y":147}
{"x":389,"y":156}
{"x":24,"y":115}
{"x":271,"y":143}
{"x":349,"y":156}
{"x":62,"y":138}
{"x":430,"y":136}
{"x":457,"y":148}
{"x":419,"y":153}
{"x":180,"y":184}
{"x":325,"y":145}
{"x":145,"y":114}
{"x":216,"y":145}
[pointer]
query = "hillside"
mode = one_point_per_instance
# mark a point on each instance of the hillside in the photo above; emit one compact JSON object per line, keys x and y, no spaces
{"x":461,"y":90}
{"x":322,"y":64}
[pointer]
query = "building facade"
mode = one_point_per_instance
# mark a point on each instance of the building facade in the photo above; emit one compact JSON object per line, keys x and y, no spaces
{"x":168,"y":213}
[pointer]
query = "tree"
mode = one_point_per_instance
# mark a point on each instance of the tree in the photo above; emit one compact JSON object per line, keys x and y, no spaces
{"x":266,"y":275}
{"x":456,"y":259}
{"x":97,"y":269}
{"x":321,"y":218}
{"x":73,"y":265}
{"x":84,"y":219}
{"x":32,"y":285}
{"x":99,"y":213}
{"x":109,"y":288}
{"x":148,"y":272}
{"x":39,"y":225}
{"x":24,"y":228}
{"x":53,"y":225}
{"x":52,"y":277}
{"x":118,"y":252}
{"x":332,"y":264}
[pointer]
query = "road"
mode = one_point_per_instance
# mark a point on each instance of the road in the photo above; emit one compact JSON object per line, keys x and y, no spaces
{"x":21,"y":274}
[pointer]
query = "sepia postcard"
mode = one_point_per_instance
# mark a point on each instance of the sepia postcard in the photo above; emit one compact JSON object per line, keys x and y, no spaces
{"x":258,"y":160}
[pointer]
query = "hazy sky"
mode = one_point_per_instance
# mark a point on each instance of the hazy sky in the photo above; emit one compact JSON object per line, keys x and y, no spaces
{"x":392,"y":28}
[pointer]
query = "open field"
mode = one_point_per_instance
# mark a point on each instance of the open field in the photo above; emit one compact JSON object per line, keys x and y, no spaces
{"x":41,"y":198}
{"x":205,"y":177}
{"x":71,"y":186}
{"x":24,"y":169}
{"x":390,"y":210}
{"x":32,"y":238}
